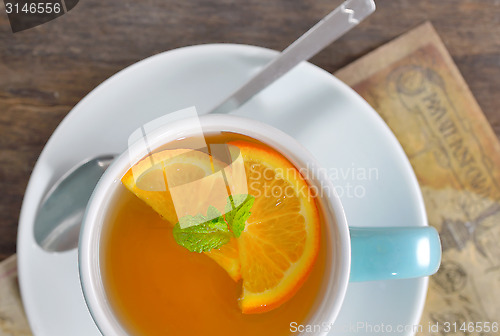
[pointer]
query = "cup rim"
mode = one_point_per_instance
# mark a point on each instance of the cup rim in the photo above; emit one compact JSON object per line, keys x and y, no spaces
{"x":88,"y":246}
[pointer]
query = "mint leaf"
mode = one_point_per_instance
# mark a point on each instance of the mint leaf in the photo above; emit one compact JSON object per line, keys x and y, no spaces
{"x":237,"y":212}
{"x":204,"y":233}
{"x":202,"y":237}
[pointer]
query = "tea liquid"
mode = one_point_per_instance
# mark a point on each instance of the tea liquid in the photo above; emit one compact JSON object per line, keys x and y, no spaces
{"x":157,"y":287}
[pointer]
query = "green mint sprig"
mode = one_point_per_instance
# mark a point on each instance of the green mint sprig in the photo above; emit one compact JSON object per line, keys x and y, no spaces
{"x":237,"y":212}
{"x":203,"y":237}
{"x":200,"y":234}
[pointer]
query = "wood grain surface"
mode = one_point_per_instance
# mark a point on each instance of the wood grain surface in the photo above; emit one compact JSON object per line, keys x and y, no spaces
{"x":46,"y":70}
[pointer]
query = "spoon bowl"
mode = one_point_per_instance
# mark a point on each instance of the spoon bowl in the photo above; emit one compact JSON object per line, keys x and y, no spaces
{"x":57,"y":224}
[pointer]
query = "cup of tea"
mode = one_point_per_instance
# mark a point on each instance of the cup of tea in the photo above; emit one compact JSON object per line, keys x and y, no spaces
{"x":223,"y":225}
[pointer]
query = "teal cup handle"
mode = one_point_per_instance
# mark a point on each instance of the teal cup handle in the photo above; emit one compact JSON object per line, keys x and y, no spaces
{"x":394,"y":253}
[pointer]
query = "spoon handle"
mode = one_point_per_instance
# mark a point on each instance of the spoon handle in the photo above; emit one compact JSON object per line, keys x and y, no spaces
{"x":331,"y":27}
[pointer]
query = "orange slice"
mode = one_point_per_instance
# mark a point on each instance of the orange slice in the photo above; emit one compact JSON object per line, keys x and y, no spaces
{"x":277,"y":250}
{"x":280,"y":242}
{"x":156,"y":179}
{"x":228,"y":258}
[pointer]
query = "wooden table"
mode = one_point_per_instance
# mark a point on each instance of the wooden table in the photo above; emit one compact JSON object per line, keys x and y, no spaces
{"x":46,"y":70}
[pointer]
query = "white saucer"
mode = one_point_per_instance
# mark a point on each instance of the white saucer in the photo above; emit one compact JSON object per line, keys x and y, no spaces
{"x":325,"y":115}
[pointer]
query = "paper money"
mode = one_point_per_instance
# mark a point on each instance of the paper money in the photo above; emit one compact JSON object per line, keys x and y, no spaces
{"x":12,"y":318}
{"x":414,"y":85}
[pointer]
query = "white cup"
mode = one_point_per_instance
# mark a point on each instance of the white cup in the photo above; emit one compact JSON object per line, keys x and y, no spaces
{"x":337,"y":235}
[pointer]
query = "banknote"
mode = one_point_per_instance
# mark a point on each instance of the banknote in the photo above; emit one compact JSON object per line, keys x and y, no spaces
{"x":12,"y":318}
{"x":415,"y":86}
